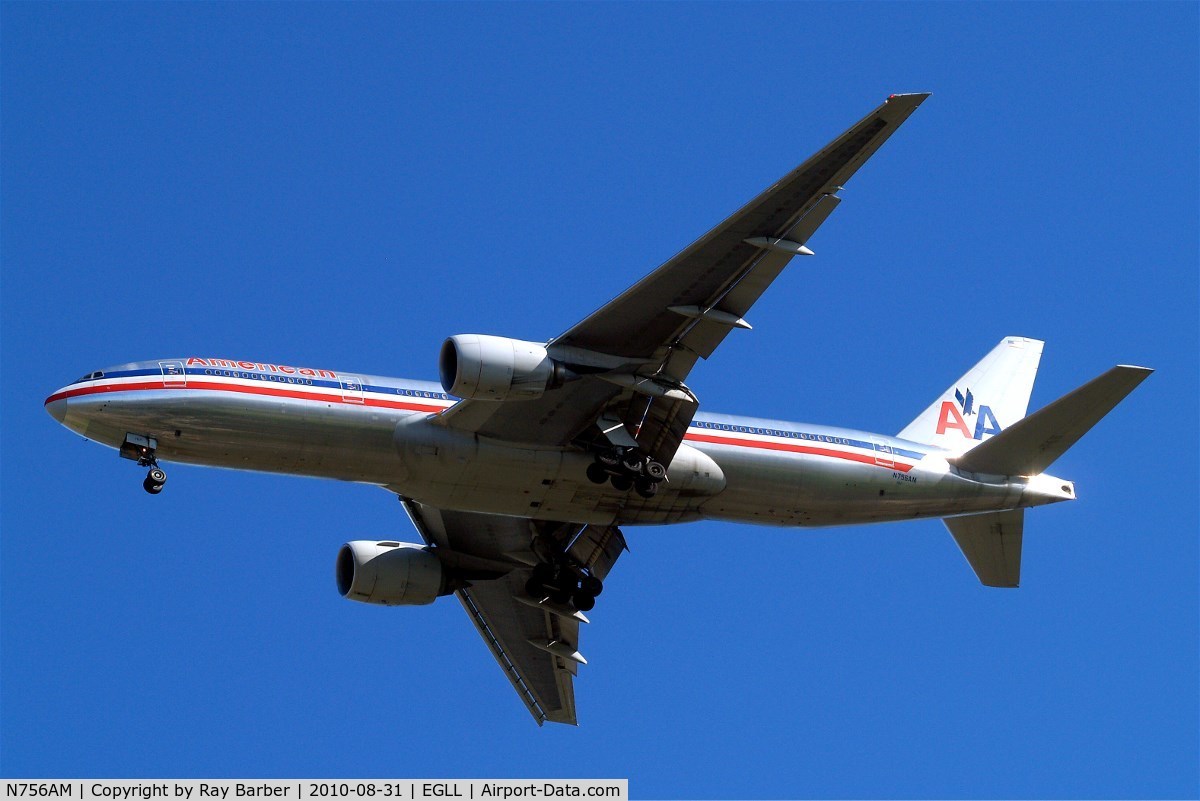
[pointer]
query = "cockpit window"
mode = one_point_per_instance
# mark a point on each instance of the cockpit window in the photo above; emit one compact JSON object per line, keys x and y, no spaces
{"x":91,"y":376}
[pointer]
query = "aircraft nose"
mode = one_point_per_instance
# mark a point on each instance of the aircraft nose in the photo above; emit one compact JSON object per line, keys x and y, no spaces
{"x":57,"y":408}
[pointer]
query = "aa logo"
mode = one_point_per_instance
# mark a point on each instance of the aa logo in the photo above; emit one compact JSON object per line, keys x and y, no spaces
{"x":951,"y":418}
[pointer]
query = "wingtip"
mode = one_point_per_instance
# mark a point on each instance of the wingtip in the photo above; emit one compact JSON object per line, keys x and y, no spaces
{"x":897,"y":107}
{"x":1029,"y":343}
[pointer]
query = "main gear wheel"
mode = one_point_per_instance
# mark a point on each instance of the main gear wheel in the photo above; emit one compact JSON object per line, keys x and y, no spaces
{"x":627,"y":469}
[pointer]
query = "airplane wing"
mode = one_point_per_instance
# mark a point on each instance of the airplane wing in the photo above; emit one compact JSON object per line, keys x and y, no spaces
{"x":535,"y":641}
{"x":637,"y":350}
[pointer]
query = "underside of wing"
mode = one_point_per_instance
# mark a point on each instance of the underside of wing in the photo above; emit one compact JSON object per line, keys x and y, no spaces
{"x":691,"y":302}
{"x":629,"y":359}
{"x":520,"y":638}
{"x":534,"y":638}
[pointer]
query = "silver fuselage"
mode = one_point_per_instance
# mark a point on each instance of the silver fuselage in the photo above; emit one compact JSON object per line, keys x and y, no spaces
{"x":384,"y":431}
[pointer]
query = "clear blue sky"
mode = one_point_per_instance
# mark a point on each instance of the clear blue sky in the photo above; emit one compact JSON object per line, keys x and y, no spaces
{"x":346,"y":185}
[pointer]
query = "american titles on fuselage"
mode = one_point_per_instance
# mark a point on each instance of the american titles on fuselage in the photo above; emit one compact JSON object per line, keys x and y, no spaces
{"x":261,"y":367}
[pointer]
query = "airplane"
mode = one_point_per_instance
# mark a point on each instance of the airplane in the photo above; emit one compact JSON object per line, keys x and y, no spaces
{"x":522,"y":467}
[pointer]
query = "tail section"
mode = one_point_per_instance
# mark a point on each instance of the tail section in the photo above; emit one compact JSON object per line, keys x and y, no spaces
{"x":993,"y":395}
{"x":992,"y":541}
{"x":1031,"y":445}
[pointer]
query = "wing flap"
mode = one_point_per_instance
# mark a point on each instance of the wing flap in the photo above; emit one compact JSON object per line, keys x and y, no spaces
{"x":704,"y":337}
{"x":543,"y":680}
{"x":511,"y":671}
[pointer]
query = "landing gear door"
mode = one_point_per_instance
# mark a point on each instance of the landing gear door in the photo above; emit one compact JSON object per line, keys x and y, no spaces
{"x":352,"y":389}
{"x":174,"y":376}
{"x":884,"y":456}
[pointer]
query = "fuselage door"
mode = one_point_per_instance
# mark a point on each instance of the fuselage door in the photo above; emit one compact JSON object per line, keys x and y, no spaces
{"x":174,"y":376}
{"x":884,"y":456}
{"x":352,"y":389}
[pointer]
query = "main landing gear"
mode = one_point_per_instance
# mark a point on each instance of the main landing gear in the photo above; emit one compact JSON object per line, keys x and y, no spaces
{"x":141,"y":450}
{"x":627,"y":468}
{"x":560,"y":577}
{"x":564,"y":583}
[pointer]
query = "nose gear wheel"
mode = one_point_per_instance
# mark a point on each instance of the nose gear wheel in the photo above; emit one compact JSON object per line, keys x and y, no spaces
{"x":155,"y":480}
{"x":143,"y":449}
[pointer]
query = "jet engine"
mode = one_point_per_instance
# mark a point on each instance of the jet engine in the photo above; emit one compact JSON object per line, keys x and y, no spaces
{"x":389,"y":573}
{"x":496,"y":368}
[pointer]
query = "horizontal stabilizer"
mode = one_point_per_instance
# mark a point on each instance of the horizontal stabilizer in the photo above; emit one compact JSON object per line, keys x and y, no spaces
{"x":1030,"y":445}
{"x":992,"y":545}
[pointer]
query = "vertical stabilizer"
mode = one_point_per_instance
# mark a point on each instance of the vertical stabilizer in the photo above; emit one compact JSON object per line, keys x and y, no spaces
{"x":993,"y":395}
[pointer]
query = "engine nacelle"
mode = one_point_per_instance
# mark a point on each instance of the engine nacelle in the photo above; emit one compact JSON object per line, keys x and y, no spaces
{"x":483,"y":367}
{"x":389,"y":573}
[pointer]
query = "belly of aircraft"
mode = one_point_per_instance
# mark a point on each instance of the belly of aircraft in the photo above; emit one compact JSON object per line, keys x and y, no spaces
{"x":382,"y":447}
{"x":245,"y":432}
{"x":828,"y":490}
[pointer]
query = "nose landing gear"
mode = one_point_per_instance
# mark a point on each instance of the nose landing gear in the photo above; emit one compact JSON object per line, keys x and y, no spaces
{"x":141,"y":450}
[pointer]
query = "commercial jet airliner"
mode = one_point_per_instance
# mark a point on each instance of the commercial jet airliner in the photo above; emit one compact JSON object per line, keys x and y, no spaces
{"x":521,"y":468}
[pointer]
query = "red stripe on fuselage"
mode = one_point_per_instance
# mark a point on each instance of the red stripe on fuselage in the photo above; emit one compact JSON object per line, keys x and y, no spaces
{"x":279,"y":392}
{"x":789,"y":447}
{"x":275,"y":392}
